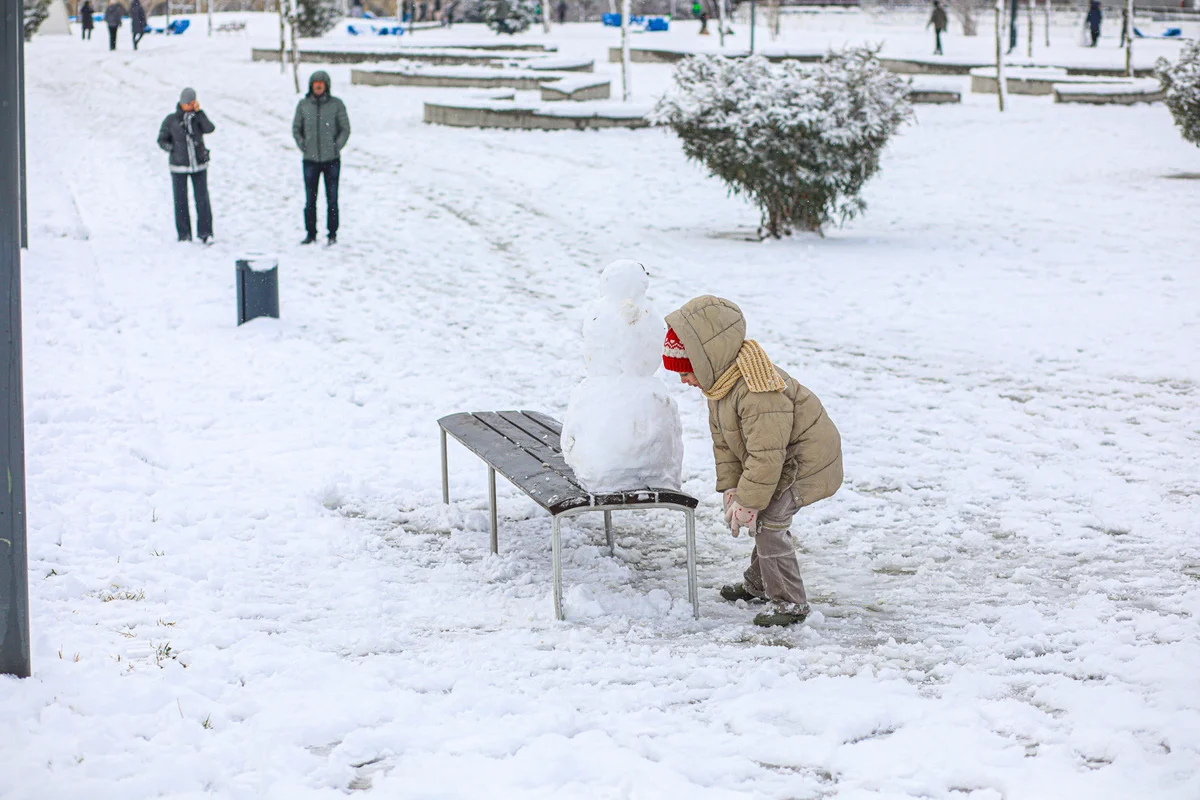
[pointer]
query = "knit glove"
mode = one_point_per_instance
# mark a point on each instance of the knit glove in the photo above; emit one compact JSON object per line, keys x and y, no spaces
{"x":741,"y":517}
{"x":727,"y":501}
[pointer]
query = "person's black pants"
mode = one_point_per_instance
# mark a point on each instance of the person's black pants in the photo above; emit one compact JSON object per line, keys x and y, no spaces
{"x":937,"y":51}
{"x":183,"y":221}
{"x":112,"y":38}
{"x":137,"y":37}
{"x":87,"y":33}
{"x":1095,"y":35}
{"x":313,"y":170}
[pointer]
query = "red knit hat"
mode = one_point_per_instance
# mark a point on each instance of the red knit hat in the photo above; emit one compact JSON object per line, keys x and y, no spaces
{"x":674,"y":355}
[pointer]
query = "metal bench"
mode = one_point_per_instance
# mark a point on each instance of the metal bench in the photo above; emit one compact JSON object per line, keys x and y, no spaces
{"x":524,"y":447}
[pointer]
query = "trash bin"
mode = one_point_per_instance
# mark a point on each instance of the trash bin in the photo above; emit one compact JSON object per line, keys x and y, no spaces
{"x":257,"y":288}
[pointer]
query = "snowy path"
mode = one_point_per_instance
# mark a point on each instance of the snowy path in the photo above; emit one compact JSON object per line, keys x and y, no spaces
{"x":240,"y":554}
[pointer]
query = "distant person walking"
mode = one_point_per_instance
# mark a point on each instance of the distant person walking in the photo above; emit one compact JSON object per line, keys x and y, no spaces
{"x":321,"y":128}
{"x":85,"y":19}
{"x":113,"y":14}
{"x":1094,"y":17}
{"x":561,"y":12}
{"x":182,"y":136}
{"x":700,"y":11}
{"x":1124,"y":25}
{"x":137,"y":21}
{"x":939,"y":22}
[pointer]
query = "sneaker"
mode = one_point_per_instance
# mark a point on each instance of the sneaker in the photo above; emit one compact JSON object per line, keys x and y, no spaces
{"x":738,"y":591}
{"x":312,"y":237}
{"x":782,"y":615}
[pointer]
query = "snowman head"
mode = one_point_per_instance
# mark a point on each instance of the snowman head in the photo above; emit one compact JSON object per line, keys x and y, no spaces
{"x":624,"y":280}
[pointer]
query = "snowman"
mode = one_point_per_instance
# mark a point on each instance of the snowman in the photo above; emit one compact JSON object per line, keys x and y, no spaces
{"x":622,"y":429}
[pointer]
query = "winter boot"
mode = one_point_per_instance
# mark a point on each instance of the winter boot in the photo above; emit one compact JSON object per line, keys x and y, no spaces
{"x":312,"y":237}
{"x":332,"y":240}
{"x":738,"y":591}
{"x":781,"y":615}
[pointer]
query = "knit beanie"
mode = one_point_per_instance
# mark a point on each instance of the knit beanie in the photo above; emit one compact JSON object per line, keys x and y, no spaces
{"x":674,"y":355}
{"x":187,"y":96}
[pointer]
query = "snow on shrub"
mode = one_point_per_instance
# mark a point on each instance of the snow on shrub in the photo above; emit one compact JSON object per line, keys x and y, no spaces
{"x":35,"y":14}
{"x":799,"y":140}
{"x":1181,"y":83}
{"x":316,"y":18}
{"x":509,"y":16}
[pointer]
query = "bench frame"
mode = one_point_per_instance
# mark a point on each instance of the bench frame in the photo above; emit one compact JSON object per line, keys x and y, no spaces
{"x":652,"y":500}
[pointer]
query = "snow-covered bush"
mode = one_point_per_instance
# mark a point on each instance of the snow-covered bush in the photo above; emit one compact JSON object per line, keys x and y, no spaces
{"x":1181,"y":82}
{"x":316,"y":18}
{"x":35,"y":14}
{"x":799,"y":140}
{"x":509,"y":16}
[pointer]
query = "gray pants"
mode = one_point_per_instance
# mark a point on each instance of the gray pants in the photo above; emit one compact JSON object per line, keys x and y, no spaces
{"x":774,"y":572}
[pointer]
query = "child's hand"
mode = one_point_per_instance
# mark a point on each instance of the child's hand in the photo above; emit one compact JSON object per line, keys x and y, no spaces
{"x":727,"y":500}
{"x":741,"y":517}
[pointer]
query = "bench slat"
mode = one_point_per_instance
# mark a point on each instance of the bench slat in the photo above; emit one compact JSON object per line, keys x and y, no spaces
{"x":530,"y":436}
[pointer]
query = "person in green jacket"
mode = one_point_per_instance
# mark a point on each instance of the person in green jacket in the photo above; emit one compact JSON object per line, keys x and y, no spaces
{"x":321,"y":128}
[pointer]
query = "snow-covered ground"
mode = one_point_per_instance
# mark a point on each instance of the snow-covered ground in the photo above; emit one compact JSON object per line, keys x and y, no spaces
{"x":244,"y":583}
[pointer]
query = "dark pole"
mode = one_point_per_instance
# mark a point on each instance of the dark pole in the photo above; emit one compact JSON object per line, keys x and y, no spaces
{"x":753,"y":15}
{"x":21,"y":105}
{"x":14,"y":563}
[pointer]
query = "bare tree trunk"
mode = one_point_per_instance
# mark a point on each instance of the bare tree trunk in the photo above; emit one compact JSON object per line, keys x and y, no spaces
{"x":295,"y":12}
{"x":965,"y":11}
{"x":282,"y":39}
{"x":1001,"y":86}
{"x":626,"y":89}
{"x":1046,"y":9}
{"x":1030,"y":37}
{"x":1129,"y":38}
{"x":721,"y":20}
{"x":545,"y":16}
{"x":773,"y":18}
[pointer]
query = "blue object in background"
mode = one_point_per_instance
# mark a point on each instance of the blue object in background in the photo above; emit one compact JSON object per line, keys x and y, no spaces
{"x":648,"y":24}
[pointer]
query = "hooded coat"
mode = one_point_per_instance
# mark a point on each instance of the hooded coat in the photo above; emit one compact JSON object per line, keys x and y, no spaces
{"x":113,"y":14}
{"x":321,"y":126}
{"x":763,"y":442}
{"x":137,"y":17}
{"x":85,"y":16}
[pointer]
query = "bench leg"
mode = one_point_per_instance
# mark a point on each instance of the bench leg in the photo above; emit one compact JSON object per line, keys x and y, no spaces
{"x":445,"y":469}
{"x":693,"y":590}
{"x":492,"y":509}
{"x":556,"y":550}
{"x":608,"y":533}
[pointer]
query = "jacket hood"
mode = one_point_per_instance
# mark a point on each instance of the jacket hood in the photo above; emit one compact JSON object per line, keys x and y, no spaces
{"x":712,"y":331}
{"x":322,"y":76}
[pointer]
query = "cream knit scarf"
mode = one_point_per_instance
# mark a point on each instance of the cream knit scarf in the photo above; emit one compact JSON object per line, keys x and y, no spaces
{"x":752,"y":364}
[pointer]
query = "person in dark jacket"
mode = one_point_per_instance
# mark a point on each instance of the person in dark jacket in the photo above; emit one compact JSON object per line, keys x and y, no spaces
{"x":1094,"y":17}
{"x":113,"y":14}
{"x":939,"y":22}
{"x":85,"y":18}
{"x":321,"y":128}
{"x":560,"y":11}
{"x":137,"y":21}
{"x":182,"y":136}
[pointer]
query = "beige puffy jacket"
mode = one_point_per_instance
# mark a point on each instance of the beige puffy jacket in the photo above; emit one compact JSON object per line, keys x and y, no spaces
{"x":763,"y":441}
